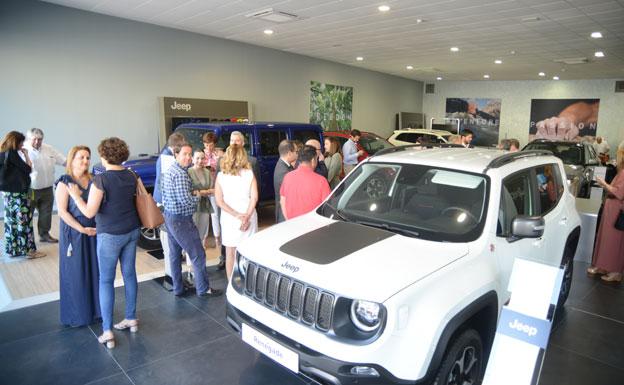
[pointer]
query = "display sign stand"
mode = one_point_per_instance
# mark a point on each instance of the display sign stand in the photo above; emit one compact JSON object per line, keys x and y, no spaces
{"x":524,"y":325}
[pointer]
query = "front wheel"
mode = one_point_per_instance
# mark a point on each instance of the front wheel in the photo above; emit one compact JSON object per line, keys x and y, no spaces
{"x":149,"y":239}
{"x":463,"y":361}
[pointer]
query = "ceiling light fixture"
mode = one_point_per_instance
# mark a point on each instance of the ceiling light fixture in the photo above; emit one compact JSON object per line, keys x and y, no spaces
{"x":439,"y":78}
{"x":409,"y":67}
{"x":486,"y":76}
{"x":418,"y":21}
{"x":359,"y":58}
{"x":541,"y":74}
{"x":268,"y":32}
{"x":454,"y":49}
{"x":555,"y":77}
{"x":599,"y":54}
{"x":498,"y":61}
{"x":596,"y":35}
{"x":383,"y":8}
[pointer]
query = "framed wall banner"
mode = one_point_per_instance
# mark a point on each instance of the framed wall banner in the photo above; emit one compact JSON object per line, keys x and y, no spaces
{"x":480,"y":115}
{"x":564,"y":119}
{"x":331,"y":106}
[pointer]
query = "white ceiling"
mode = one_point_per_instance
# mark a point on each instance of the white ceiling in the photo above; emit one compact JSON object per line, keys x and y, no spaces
{"x":341,"y":30}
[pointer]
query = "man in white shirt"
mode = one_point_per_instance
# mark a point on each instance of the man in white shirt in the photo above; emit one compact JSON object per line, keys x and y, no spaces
{"x":601,"y":146}
{"x":350,"y":151}
{"x":44,"y":157}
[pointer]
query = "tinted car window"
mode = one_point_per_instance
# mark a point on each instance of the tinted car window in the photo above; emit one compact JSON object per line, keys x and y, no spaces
{"x":548,"y":181}
{"x":407,"y":137}
{"x":372,"y":144}
{"x":516,"y":199}
{"x":569,"y":153}
{"x":193,"y":136}
{"x":224,"y":140}
{"x":305,"y":135}
{"x":269,"y":142}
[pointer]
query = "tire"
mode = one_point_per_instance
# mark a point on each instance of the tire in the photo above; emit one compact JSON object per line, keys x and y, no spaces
{"x":566,"y":283}
{"x":463,"y":362}
{"x":149,"y":239}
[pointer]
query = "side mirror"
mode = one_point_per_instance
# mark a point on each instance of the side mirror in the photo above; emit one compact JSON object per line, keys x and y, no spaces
{"x":526,"y":227}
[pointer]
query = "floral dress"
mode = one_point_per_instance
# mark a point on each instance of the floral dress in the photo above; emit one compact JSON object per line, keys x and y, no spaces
{"x":19,"y":237}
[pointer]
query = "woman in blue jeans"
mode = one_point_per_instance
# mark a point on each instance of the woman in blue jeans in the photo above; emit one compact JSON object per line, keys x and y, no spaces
{"x":111,"y":201}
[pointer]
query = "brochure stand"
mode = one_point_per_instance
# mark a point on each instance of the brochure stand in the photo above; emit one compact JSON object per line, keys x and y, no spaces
{"x":524,"y":324}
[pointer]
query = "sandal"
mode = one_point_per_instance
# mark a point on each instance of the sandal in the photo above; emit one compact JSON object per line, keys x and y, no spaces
{"x":132,"y":324}
{"x":593,"y":270}
{"x":612,"y":278}
{"x":108,"y":339}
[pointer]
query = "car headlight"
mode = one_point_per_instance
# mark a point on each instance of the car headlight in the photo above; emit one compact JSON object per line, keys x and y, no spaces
{"x":365,"y":315}
{"x":242,"y":264}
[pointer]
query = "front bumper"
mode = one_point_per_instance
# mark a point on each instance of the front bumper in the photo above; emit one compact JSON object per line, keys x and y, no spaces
{"x":314,"y":364}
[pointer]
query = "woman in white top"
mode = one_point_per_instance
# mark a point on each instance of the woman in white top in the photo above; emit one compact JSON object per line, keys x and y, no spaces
{"x":236,"y":193}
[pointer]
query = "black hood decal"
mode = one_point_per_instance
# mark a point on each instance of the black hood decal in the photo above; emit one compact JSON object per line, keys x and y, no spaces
{"x":333,"y":242}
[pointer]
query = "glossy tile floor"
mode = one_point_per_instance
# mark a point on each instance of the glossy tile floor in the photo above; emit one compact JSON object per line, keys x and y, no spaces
{"x":186,"y":341}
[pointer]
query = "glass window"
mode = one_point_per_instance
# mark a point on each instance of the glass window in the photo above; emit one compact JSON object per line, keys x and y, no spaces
{"x":549,"y":187}
{"x":372,"y":144}
{"x":569,"y":153}
{"x":269,"y":142}
{"x":224,"y":140}
{"x":193,"y":136}
{"x":413,"y":200}
{"x":516,"y":200}
{"x":407,"y":137}
{"x":305,"y":135}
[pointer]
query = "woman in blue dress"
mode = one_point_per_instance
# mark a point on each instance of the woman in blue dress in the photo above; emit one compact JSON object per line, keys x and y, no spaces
{"x":78,"y":266}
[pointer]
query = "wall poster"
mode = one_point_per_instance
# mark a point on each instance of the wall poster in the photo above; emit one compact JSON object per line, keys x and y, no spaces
{"x":480,"y":115}
{"x":564,"y":119}
{"x":331,"y":106}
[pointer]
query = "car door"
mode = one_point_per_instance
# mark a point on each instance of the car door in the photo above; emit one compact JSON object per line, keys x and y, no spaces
{"x":268,"y":155}
{"x":517,"y":198}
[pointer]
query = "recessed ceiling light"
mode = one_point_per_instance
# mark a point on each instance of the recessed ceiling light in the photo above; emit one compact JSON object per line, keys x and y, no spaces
{"x":359,"y":58}
{"x":599,"y":54}
{"x":383,"y":8}
{"x":555,"y":77}
{"x":409,"y":67}
{"x":541,"y":74}
{"x":268,"y":32}
{"x":454,"y":49}
{"x":596,"y":35}
{"x":512,"y":52}
{"x":498,"y":61}
{"x":439,"y":78}
{"x":418,"y":21}
{"x":486,"y":76}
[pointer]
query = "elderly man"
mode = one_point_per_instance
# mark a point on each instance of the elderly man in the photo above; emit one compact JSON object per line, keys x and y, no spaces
{"x":321,"y":168}
{"x":601,"y":146}
{"x":180,"y":205}
{"x":44,"y":157}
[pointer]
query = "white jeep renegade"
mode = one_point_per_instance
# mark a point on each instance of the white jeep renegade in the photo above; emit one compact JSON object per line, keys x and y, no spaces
{"x":400,"y":275}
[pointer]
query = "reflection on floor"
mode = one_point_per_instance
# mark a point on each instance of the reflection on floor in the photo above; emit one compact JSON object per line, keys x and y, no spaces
{"x":187,"y":341}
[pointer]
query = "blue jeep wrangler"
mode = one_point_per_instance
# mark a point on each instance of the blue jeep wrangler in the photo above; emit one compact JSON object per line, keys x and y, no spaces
{"x":261,"y":141}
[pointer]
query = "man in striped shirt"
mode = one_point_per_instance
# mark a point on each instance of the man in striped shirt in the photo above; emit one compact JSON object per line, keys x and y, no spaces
{"x":180,"y":205}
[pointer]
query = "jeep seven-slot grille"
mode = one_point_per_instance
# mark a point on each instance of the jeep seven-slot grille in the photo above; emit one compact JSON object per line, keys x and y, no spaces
{"x":294,"y":299}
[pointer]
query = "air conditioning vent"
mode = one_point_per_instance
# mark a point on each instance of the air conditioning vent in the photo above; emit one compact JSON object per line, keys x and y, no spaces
{"x":619,"y":86}
{"x":430,"y":88}
{"x":573,"y":60}
{"x":273,"y":15}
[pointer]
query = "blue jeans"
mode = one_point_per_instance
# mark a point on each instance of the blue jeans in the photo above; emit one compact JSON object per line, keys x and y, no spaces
{"x":182,"y":234}
{"x":110,"y":248}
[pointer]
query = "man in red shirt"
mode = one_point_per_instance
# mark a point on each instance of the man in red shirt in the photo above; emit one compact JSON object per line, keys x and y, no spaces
{"x":302,"y":189}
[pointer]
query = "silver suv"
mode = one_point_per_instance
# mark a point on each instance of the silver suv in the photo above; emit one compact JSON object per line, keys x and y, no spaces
{"x":400,"y":275}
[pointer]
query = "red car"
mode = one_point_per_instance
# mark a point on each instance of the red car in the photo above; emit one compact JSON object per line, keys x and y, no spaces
{"x":369,"y":142}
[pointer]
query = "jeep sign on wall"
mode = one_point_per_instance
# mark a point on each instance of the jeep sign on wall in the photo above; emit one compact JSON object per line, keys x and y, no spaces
{"x":174,"y":111}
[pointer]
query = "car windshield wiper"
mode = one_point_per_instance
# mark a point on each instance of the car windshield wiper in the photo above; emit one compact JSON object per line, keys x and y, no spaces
{"x":385,"y":226}
{"x":338,"y":213}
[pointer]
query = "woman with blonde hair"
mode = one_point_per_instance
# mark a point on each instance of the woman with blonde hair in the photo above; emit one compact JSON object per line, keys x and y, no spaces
{"x":236,"y":193}
{"x":608,"y":261}
{"x":15,"y":168}
{"x":78,"y":266}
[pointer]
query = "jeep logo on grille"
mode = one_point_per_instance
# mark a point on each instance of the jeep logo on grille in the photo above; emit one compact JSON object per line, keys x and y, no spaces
{"x":290,"y":267}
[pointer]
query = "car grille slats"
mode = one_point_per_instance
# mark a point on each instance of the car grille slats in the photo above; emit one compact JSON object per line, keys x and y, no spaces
{"x":294,"y":299}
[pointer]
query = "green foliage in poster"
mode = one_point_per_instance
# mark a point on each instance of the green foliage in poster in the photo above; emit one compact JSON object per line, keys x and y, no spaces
{"x":331,"y":106}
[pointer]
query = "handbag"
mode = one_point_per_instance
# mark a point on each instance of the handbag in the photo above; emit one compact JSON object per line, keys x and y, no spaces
{"x":149,"y":213}
{"x":619,"y":222}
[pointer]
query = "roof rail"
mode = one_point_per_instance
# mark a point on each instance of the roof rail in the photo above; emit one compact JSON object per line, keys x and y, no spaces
{"x":512,"y":156}
{"x":392,"y":150}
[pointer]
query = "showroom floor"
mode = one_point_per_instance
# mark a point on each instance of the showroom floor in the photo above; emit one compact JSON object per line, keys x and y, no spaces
{"x":187,"y":341}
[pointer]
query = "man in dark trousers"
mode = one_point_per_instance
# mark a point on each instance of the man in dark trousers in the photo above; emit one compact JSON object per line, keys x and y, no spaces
{"x":288,"y":155}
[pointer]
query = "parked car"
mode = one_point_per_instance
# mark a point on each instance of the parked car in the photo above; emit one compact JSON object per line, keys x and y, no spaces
{"x":401,"y":274}
{"x":408,"y":136}
{"x":369,"y":142}
{"x":579,"y":160}
{"x":261,"y":141}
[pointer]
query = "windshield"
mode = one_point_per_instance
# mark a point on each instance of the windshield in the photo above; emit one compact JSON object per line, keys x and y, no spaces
{"x":569,"y":153}
{"x":193,"y":136}
{"x":372,"y":144}
{"x":414,"y":200}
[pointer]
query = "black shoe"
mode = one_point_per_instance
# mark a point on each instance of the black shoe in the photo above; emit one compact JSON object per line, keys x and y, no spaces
{"x":184,"y":292}
{"x":211,"y":293}
{"x":221,"y":265}
{"x":48,"y":238}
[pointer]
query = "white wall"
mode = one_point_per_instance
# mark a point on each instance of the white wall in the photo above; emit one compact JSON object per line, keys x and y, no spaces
{"x":81,"y":76}
{"x":516,"y":102}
